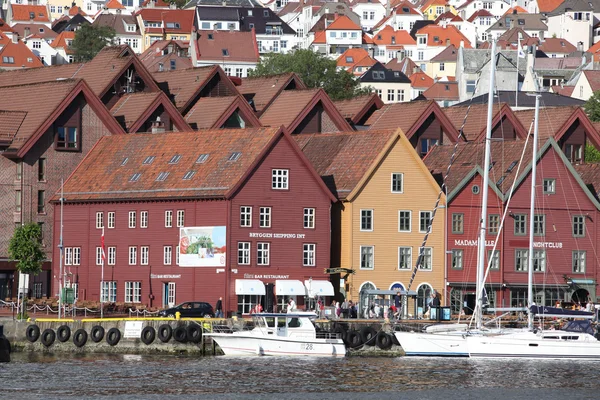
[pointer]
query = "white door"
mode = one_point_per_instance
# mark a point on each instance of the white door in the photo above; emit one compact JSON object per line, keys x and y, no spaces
{"x":171,"y":294}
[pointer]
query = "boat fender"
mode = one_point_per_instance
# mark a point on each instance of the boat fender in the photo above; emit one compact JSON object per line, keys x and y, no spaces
{"x":340,"y":331}
{"x":180,"y":334}
{"x":194,"y":333}
{"x":384,"y":341}
{"x":165,"y":332}
{"x":4,"y":350}
{"x":97,"y":333}
{"x":367,"y":334}
{"x":259,"y":351}
{"x":354,"y":339}
{"x":48,"y":337}
{"x":63,"y":333}
{"x":113,"y":336}
{"x":80,"y":337}
{"x":32,"y":333}
{"x":148,"y":335}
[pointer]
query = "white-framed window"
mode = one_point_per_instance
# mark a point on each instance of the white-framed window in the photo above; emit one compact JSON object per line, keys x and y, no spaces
{"x":246,"y":216}
{"x":424,"y":221}
{"x":495,"y":256}
{"x":309,"y":254}
{"x":521,"y":256}
{"x":404,"y":220}
{"x":264,"y":219}
{"x":111,"y":220}
{"x":167,"y":255}
{"x":457,"y":259}
{"x":112,"y":255}
{"x":367,"y":257}
{"x":400,"y":95}
{"x":520,"y":224}
{"x":244,"y":253}
{"x":366,"y":220}
{"x":109,"y":291}
{"x":458,"y":223}
{"x":390,"y":95}
{"x":144,"y":255}
{"x":578,"y":261}
{"x":309,"y":218}
{"x":539,"y":224}
{"x":539,"y":260}
{"x":98,"y":255}
{"x":132,"y":219}
{"x":99,"y":220}
{"x":180,"y":218}
{"x":239,"y":72}
{"x":397,"y":182}
{"x":176,"y":255}
{"x":549,"y":186}
{"x":168,"y":218}
{"x":280,"y":179}
{"x":132,"y":255}
{"x":578,"y":225}
{"x":143,"y":219}
{"x":427,"y":261}
{"x":68,"y":256}
{"x":133,"y":292}
{"x":263,"y":253}
{"x":404,"y":258}
{"x":76,"y":255}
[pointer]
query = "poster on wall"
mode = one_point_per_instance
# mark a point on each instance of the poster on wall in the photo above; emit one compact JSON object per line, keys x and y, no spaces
{"x":202,"y":246}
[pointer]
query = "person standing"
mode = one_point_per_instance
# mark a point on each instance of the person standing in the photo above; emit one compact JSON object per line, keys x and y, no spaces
{"x":291,"y":305}
{"x":397,"y":300}
{"x":219,"y":308}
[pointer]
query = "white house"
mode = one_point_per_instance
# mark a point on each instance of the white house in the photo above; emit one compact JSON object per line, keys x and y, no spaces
{"x":41,"y":48}
{"x":369,"y":11}
{"x":338,"y":37}
{"x":391,"y":86}
{"x":402,"y":16}
{"x":390,"y":44}
{"x":496,"y":8}
{"x":236,"y":52}
{"x":573,"y":21}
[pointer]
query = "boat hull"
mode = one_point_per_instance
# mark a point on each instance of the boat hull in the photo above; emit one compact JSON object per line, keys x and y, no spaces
{"x":449,"y":344}
{"x":238,"y":345}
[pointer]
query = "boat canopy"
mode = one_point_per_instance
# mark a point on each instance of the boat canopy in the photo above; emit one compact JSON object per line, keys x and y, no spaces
{"x":381,"y":292}
{"x":289,"y":288}
{"x":318,"y":288}
{"x":579,"y":326}
{"x":249,"y":287}
{"x":560,"y":312}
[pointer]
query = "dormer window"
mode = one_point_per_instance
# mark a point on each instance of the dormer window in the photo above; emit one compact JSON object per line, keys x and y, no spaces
{"x":422,"y":39}
{"x":521,"y":22}
{"x":31,"y":15}
{"x":130,"y":28}
{"x":349,"y":59}
{"x":173,"y":25}
{"x":378,"y":75}
{"x":8,"y":60}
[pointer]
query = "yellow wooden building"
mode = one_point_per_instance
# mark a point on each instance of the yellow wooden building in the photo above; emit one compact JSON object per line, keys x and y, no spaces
{"x":386,"y":197}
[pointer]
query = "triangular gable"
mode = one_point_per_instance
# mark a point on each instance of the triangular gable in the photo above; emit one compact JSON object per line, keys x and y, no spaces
{"x":292,"y":78}
{"x":477,"y":170}
{"x":446,"y":124}
{"x":506,"y":111}
{"x":216,"y":72}
{"x":241,"y":105}
{"x":374,"y":101}
{"x":174,"y":114}
{"x":328,"y":106}
{"x":580,"y":115}
{"x":398,"y":138}
{"x":93,"y":101}
{"x":286,"y":136}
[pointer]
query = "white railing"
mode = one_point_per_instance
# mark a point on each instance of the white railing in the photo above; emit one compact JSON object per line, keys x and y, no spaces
{"x":143,"y":313}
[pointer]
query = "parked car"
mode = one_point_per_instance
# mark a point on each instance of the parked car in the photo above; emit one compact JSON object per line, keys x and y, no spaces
{"x":189,"y":309}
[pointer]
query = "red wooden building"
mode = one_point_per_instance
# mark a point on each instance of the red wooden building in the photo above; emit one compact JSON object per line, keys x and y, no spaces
{"x":195,"y":216}
{"x":565,"y":259}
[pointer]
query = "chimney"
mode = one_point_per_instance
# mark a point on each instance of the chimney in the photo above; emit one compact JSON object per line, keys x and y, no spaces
{"x":580,"y":46}
{"x":447,"y":7}
{"x":388,"y":8}
{"x":151,"y":4}
{"x":444,"y":23}
{"x":335,"y":15}
{"x":224,"y":3}
{"x":172,"y":6}
{"x":415,"y":69}
{"x":26,"y":31}
{"x":462,"y":43}
{"x":15,"y":37}
{"x":118,"y":11}
{"x":158,"y":126}
{"x":401,"y":54}
{"x":447,"y":42}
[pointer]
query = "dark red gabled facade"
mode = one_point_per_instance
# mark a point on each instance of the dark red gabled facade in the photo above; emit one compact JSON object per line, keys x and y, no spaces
{"x":162,"y":283}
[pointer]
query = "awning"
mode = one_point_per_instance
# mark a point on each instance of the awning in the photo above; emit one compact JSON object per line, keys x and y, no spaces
{"x":318,"y":288}
{"x":289,"y":288}
{"x":249,"y":286}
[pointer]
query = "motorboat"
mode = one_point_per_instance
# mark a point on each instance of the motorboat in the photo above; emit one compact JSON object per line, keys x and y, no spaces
{"x":277,"y":334}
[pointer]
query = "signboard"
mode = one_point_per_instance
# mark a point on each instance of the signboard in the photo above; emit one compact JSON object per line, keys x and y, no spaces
{"x":202,"y":246}
{"x":258,"y":276}
{"x":133,"y":329}
{"x":338,"y":270}
{"x":270,"y":235}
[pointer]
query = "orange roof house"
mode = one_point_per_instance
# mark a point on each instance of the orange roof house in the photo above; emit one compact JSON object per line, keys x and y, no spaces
{"x":114,"y":5}
{"x":17,"y":55}
{"x":343,"y":23}
{"x":420,"y":80}
{"x":64,"y":41}
{"x":444,"y":36}
{"x":353,"y":58}
{"x":26,"y":13}
{"x":389,"y":37}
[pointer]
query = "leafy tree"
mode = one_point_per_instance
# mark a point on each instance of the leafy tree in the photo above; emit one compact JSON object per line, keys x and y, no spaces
{"x":591,"y":153}
{"x":316,"y":70}
{"x":89,"y":40}
{"x":178,"y":3}
{"x":592,"y":109}
{"x":25,"y":248}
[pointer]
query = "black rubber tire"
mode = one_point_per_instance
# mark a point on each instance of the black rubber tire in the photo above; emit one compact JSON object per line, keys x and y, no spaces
{"x":32,"y":333}
{"x":165,"y":332}
{"x":97,"y":333}
{"x":367,"y":334}
{"x":63,"y":333}
{"x":395,"y":340}
{"x":194,"y":333}
{"x":148,"y":335}
{"x":180,"y":334}
{"x":353,"y":339}
{"x":113,"y":336}
{"x":339,"y":330}
{"x":383,"y":341}
{"x":48,"y":337}
{"x":80,"y":337}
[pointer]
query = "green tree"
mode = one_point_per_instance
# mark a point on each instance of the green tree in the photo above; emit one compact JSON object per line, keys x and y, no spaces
{"x":316,"y":70}
{"x":592,"y":109}
{"x":25,"y":248}
{"x":89,"y":40}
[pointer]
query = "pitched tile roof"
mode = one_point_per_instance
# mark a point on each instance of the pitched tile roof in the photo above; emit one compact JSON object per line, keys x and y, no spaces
{"x":157,"y":4}
{"x":214,"y":178}
{"x":320,"y":38}
{"x":130,"y":107}
{"x":421,"y":80}
{"x":556,"y":45}
{"x":343,"y":158}
{"x":548,"y":5}
{"x":388,"y":36}
{"x":343,"y":23}
{"x":76,"y":10}
{"x":61,"y":40}
{"x":18,"y":55}
{"x":355,"y":57}
{"x":22,"y":12}
{"x":38,"y":29}
{"x":4,"y":27}
{"x":264,"y":89}
{"x":449,"y":54}
{"x":442,"y":91}
{"x":550,"y":122}
{"x":290,"y":107}
{"x":158,"y":56}
{"x":529,"y":22}
{"x":590,"y":175}
{"x":518,"y":9}
{"x":114,"y":5}
{"x":185,"y":19}
{"x":10,"y":122}
{"x":480,"y":14}
{"x":444,"y":35}
{"x":593,"y":77}
{"x":117,"y":22}
{"x":212,"y":112}
{"x":406,"y":66}
{"x":476,"y":121}
{"x":563,"y":90}
{"x":229,"y":45}
{"x":354,"y":109}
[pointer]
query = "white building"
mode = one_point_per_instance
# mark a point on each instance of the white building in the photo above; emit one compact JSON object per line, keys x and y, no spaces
{"x":369,"y":11}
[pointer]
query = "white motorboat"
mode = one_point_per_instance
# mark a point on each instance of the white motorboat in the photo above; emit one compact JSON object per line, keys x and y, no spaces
{"x":292,"y":334}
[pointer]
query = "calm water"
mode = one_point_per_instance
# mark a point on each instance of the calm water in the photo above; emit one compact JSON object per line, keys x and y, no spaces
{"x":61,"y":376}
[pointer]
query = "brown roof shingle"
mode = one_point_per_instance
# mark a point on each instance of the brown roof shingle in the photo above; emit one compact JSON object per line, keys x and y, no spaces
{"x":207,"y":111}
{"x":398,"y":115}
{"x":266,"y":88}
{"x":350,"y":108}
{"x":476,"y":120}
{"x":550,"y":121}
{"x":131,"y":106}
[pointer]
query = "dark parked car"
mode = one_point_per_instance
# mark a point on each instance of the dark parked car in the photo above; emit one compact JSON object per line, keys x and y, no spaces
{"x":190,"y":309}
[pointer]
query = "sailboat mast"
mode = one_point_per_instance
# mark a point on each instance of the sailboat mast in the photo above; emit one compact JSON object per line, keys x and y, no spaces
{"x":531,"y":213}
{"x":484,"y":196}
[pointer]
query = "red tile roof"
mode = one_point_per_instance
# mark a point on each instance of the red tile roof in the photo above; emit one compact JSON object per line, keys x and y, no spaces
{"x":23,"y":13}
{"x":552,"y":120}
{"x":388,"y":36}
{"x":4,"y":27}
{"x":240,"y":46}
{"x":476,"y":123}
{"x":449,"y":54}
{"x":76,"y":10}
{"x":157,"y":3}
{"x":479,"y":14}
{"x":114,"y":5}
{"x":444,"y":35}
{"x":37,"y":29}
{"x":61,"y":40}
{"x":18,"y":55}
{"x":185,"y":18}
{"x":356,"y":108}
{"x":564,"y":90}
{"x":406,"y":66}
{"x":343,"y":23}
{"x":518,"y":9}
{"x":546,"y":6}
{"x":214,"y":178}
{"x":353,"y":56}
{"x":320,"y":38}
{"x":265,"y":89}
{"x":442,"y":91}
{"x":213,"y":112}
{"x":557,"y":45}
{"x":421,"y":80}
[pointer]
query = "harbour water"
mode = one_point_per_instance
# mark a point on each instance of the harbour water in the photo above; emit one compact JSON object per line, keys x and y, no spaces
{"x":60,"y":376}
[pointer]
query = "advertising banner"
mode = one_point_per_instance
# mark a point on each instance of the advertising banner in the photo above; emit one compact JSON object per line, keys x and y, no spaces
{"x":202,"y":246}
